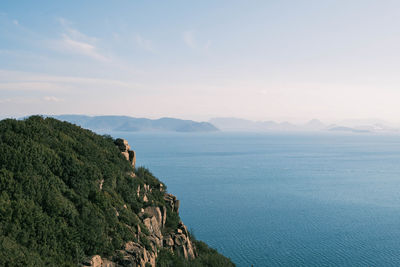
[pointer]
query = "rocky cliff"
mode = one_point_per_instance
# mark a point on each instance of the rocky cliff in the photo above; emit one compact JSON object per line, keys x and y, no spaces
{"x":154,"y":219}
{"x":126,"y":151}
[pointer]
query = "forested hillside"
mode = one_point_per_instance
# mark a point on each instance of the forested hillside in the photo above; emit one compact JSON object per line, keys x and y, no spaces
{"x":67,"y":194}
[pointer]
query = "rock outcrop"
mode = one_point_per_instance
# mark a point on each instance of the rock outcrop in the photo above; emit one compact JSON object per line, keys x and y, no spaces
{"x":126,"y":150}
{"x":97,"y":261}
{"x":135,"y":254}
{"x":172,"y":201}
{"x":144,"y":251}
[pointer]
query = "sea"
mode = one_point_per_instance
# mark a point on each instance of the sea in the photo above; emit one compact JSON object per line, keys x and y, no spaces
{"x":283,"y":199}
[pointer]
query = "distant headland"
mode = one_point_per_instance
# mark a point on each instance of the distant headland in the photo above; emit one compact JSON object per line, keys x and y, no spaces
{"x":131,"y":124}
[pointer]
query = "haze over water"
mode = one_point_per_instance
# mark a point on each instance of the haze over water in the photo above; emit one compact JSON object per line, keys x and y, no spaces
{"x":284,"y":200}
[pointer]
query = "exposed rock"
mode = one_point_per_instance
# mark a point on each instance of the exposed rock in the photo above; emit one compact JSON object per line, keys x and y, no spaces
{"x":126,"y":150}
{"x":168,"y":241}
{"x":140,"y":253}
{"x":101,"y":184}
{"x":132,"y":157}
{"x":183,"y":228}
{"x":190,"y":249}
{"x":116,"y":212}
{"x":164,"y":216}
{"x":138,"y":191}
{"x":153,"y":226}
{"x":172,"y":201}
{"x":95,"y":261}
{"x":122,"y":144}
{"x":108,"y":263}
{"x":155,"y":212}
{"x":125,"y":154}
{"x":136,"y":255}
{"x":179,"y":240}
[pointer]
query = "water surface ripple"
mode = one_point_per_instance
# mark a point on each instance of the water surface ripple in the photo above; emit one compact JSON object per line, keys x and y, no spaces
{"x":284,"y":200}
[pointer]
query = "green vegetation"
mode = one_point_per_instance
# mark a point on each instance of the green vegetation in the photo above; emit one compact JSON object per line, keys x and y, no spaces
{"x":207,"y":257}
{"x":52,"y":209}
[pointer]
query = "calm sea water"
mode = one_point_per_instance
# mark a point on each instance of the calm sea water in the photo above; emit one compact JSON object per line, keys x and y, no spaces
{"x":284,"y":200}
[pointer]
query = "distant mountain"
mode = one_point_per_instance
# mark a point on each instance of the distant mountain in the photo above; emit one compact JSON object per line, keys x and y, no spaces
{"x":242,"y":125}
{"x":314,"y":125}
{"x":347,"y":129}
{"x":236,"y":124}
{"x":131,"y":124}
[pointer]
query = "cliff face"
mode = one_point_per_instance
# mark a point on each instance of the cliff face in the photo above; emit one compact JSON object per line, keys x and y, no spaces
{"x":154,"y":219}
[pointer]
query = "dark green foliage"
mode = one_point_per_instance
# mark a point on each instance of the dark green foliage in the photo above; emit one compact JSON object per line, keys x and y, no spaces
{"x":167,"y":259}
{"x":209,"y":257}
{"x":172,"y":220}
{"x":145,"y":242}
{"x":156,"y":197}
{"x":206,"y":257}
{"x":52,"y":211}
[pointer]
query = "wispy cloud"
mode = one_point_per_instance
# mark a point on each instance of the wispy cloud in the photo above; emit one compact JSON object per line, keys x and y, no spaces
{"x":15,"y":22}
{"x":189,"y":39}
{"x":36,"y":82}
{"x":82,"y":48}
{"x":144,"y":43}
{"x":76,"y":42}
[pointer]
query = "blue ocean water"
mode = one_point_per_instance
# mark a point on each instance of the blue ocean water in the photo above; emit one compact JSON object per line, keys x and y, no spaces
{"x":284,"y":200}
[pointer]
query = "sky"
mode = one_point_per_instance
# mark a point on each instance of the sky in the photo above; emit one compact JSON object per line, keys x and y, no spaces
{"x":259,"y":60}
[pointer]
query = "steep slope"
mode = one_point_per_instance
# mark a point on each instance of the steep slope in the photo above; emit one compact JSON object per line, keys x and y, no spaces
{"x":70,"y":197}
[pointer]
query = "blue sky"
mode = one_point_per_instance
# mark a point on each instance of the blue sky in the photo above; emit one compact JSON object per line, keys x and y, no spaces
{"x":294,"y":60}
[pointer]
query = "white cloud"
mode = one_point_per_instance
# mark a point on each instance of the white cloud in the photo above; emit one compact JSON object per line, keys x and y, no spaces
{"x":189,"y":39}
{"x":15,"y":22}
{"x":82,"y":48}
{"x":144,"y":43}
{"x":76,"y":42}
